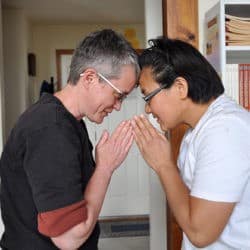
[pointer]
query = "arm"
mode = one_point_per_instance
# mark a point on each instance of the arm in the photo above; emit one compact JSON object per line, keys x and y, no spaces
{"x":192,"y":214}
{"x":110,"y":153}
{"x":200,"y":219}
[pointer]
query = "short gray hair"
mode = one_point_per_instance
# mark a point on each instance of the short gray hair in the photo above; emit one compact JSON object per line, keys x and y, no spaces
{"x":106,"y":51}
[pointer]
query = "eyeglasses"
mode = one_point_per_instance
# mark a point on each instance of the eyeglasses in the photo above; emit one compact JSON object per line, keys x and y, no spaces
{"x":121,"y":95}
{"x":148,"y":97}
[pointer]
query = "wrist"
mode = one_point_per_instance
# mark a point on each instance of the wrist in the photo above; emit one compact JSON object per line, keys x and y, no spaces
{"x":104,"y":171}
{"x":163,"y":168}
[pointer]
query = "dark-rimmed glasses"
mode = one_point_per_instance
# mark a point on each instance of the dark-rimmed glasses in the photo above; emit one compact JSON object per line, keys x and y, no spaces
{"x":148,"y":97}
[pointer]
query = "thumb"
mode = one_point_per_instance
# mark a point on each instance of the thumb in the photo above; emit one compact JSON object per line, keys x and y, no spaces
{"x":104,"y":138}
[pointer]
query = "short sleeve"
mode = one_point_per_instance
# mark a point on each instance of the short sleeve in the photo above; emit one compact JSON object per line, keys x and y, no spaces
{"x":222,"y":164}
{"x":52,"y":165}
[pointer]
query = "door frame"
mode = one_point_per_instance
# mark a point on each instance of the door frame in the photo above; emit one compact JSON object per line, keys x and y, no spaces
{"x":180,"y":20}
{"x":59,"y":54}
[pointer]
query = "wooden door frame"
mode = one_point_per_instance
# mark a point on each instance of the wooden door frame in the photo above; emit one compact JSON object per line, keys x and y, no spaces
{"x":59,"y":54}
{"x":180,"y":20}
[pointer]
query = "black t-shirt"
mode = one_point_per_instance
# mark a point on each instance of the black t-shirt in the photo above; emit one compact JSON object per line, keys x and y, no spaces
{"x":45,"y":165}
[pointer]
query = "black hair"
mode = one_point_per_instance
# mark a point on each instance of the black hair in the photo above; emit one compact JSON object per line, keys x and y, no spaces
{"x":172,"y":58}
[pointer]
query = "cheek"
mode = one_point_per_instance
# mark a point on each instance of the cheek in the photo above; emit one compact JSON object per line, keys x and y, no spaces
{"x":104,"y":101}
{"x":167,"y":116}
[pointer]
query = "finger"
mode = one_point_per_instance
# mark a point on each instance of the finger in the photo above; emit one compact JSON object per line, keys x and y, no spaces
{"x":130,"y":142}
{"x":104,"y":138}
{"x":118,"y":138}
{"x":118,"y":130}
{"x":125,"y":139}
{"x":139,"y":145}
{"x":138,"y":133}
{"x":144,"y":129}
{"x":150,"y":128}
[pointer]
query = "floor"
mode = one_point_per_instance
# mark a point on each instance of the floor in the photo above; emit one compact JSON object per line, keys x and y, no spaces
{"x":124,"y":243}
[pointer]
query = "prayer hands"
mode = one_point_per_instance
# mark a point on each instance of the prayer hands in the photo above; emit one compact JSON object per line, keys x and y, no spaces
{"x":112,"y":150}
{"x":154,"y":146}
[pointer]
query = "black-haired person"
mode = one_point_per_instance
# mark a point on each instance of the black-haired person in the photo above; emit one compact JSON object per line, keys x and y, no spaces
{"x":209,"y":189}
{"x":51,"y":189}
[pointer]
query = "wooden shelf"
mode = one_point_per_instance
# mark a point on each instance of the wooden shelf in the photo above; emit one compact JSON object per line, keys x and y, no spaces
{"x":236,"y":2}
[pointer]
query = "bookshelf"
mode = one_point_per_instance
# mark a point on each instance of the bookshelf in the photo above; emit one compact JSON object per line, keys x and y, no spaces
{"x":223,"y":57}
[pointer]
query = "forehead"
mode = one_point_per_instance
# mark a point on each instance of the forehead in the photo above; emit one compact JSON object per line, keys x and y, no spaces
{"x":146,"y":80}
{"x":127,"y":79}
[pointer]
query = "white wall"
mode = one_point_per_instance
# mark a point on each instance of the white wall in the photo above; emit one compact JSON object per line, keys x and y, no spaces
{"x":15,"y":34}
{"x":153,"y":21}
{"x":47,"y":38}
{"x":204,"y":6}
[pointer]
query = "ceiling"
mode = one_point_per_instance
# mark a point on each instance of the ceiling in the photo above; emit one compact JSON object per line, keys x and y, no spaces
{"x":81,"y":11}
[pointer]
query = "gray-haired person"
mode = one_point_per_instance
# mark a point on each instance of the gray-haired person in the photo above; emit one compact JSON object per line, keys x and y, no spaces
{"x":52,"y":191}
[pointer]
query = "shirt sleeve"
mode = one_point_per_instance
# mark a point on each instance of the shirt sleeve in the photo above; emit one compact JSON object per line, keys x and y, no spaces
{"x":52,"y":165}
{"x":222,"y":167}
{"x":57,"y":222}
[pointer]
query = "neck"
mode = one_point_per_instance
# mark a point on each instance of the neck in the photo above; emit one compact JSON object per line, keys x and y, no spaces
{"x":195,"y":112}
{"x":69,"y":98}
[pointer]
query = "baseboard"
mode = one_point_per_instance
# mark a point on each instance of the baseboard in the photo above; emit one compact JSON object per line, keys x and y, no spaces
{"x":124,"y":226}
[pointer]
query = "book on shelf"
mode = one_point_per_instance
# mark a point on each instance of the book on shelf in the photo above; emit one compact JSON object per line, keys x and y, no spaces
{"x":237,"y":30}
{"x":237,"y":18}
{"x":237,"y":84}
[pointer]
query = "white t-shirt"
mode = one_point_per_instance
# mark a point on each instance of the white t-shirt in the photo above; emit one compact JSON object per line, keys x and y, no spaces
{"x":214,"y":162}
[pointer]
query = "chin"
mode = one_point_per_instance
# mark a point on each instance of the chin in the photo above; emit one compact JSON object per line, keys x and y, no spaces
{"x":163,"y":127}
{"x":96,"y":120}
{"x":99,"y":120}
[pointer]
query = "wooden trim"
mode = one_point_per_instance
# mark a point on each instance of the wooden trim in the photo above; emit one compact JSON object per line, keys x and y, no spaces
{"x":180,"y":21}
{"x":124,"y":218}
{"x":59,"y":53}
{"x":165,"y":17}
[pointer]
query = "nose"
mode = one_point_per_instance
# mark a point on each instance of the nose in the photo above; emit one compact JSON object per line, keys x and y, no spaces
{"x":147,"y":108}
{"x":117,"y":105}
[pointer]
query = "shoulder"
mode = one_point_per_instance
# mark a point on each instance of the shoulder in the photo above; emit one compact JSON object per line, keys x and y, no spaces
{"x":46,"y":113}
{"x":224,"y":120}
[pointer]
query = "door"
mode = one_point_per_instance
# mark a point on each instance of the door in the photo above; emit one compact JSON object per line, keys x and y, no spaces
{"x":63,"y":59}
{"x":180,"y":20}
{"x":128,"y":192}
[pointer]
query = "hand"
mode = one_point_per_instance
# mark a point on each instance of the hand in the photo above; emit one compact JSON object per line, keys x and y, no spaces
{"x":112,"y":150}
{"x":153,"y":145}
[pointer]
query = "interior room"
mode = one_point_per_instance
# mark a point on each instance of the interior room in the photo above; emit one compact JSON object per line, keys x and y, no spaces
{"x":37,"y":39}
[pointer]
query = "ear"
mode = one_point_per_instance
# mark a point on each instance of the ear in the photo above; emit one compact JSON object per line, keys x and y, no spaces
{"x":89,"y":77}
{"x":181,"y":87}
